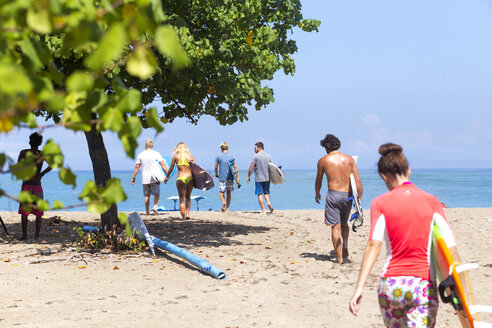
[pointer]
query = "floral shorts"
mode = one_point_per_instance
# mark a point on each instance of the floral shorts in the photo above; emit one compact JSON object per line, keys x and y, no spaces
{"x":407,"y":301}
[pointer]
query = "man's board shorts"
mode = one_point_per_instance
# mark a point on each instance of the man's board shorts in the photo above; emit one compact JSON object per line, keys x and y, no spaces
{"x":151,"y":189}
{"x":226,"y":185}
{"x":337,"y":208}
{"x":262,"y":188}
{"x":35,"y":190}
{"x":407,"y":301}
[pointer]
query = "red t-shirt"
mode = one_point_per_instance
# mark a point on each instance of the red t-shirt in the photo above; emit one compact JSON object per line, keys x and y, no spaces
{"x":404,"y":217}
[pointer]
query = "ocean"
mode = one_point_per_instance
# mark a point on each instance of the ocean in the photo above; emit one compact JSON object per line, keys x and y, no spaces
{"x":454,"y":187}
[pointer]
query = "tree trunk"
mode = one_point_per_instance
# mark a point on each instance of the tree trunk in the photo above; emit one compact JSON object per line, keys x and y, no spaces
{"x":102,"y":173}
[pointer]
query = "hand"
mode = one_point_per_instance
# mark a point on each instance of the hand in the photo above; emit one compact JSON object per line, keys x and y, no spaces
{"x":166,"y":180}
{"x":216,"y":175}
{"x":355,"y":302}
{"x":247,"y":179}
{"x":133,"y":182}
{"x":317,"y":198}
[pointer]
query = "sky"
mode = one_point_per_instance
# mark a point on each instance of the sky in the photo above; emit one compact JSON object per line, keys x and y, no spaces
{"x":416,"y":73}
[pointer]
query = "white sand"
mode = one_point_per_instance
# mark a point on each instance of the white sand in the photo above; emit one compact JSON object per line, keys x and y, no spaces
{"x":279,"y":274}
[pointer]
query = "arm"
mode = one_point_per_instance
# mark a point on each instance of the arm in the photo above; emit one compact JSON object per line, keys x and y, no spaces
{"x":237,"y":172}
{"x":170,"y":169}
{"x":251,"y":168}
{"x":319,"y":182}
{"x":370,"y":256}
{"x":135,"y":172}
{"x":216,"y":169}
{"x":46,"y":170}
{"x":358,"y":181}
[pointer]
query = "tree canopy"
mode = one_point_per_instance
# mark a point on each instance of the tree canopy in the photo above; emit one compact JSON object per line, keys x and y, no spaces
{"x":101,"y":65}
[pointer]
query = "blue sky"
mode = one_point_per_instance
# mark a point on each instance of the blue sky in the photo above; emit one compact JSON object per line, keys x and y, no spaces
{"x":416,"y":73}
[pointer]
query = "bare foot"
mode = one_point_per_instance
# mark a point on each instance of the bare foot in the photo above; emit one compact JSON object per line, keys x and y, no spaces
{"x":270,"y":208}
{"x":188,"y":218}
{"x":262,"y":213}
{"x":154,"y":209}
{"x":223,"y":208}
{"x":345,"y":253}
{"x":147,"y":213}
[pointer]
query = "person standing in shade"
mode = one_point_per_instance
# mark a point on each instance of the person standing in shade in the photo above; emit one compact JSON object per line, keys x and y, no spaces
{"x":337,"y":167}
{"x":224,"y":173}
{"x":33,"y":185}
{"x":262,"y":177}
{"x":150,"y":186}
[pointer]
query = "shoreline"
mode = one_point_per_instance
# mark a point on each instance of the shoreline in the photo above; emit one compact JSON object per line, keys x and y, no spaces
{"x":280,"y":273}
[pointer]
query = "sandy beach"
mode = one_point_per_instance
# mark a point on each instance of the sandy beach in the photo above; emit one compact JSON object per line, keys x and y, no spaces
{"x":280,"y":273}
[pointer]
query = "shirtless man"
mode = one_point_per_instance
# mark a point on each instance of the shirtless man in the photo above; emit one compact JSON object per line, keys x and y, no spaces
{"x":337,"y":166}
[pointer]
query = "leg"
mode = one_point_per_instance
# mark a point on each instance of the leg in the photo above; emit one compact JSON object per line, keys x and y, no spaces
{"x":345,"y":236}
{"x":182,"y":197}
{"x":24,"y":227}
{"x":147,"y":204}
{"x":189,"y":189}
{"x":262,"y":204}
{"x":221,"y":195}
{"x":267,"y":198}
{"x":38,"y":226}
{"x":228,"y":200}
{"x":156,"y":202}
{"x":337,"y":243}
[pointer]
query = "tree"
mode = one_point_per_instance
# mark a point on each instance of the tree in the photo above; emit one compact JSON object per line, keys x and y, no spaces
{"x":97,"y":65}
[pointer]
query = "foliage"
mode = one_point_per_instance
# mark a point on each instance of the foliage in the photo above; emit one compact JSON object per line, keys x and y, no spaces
{"x":100,"y":63}
{"x":113,"y":240}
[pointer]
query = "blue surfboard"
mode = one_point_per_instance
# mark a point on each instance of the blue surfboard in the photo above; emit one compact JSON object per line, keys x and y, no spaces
{"x":168,"y":161}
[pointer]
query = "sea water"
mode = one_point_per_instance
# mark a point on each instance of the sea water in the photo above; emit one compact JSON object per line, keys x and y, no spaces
{"x":454,"y":188}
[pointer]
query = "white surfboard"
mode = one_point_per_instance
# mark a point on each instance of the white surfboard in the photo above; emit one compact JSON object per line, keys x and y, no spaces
{"x":276,"y":176}
{"x":358,"y":216}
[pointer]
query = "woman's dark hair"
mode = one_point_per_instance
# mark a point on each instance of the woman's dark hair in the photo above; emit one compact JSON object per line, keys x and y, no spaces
{"x":35,"y":139}
{"x":330,"y":142}
{"x":392,"y":161}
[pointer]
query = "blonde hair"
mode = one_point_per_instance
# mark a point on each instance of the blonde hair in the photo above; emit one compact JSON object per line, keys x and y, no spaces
{"x":149,"y":143}
{"x":182,"y":150}
{"x":224,"y":146}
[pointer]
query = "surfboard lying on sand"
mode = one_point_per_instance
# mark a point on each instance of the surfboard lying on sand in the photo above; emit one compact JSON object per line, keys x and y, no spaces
{"x":202,"y":179}
{"x":276,"y":176}
{"x":234,"y":174}
{"x":452,"y":288}
{"x":356,"y":218}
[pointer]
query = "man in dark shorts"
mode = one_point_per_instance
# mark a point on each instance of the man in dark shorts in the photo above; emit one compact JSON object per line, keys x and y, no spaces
{"x":262,"y":177}
{"x":33,"y":185}
{"x":337,"y":166}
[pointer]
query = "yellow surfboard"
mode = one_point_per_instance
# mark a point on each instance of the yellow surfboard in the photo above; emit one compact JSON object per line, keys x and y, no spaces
{"x":455,"y":286}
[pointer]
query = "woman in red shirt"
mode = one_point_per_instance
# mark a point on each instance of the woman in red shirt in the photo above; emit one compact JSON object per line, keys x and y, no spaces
{"x":404,"y":218}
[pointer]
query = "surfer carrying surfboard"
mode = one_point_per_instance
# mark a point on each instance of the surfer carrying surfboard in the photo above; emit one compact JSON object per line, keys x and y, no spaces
{"x":259,"y":164}
{"x":404,"y":217}
{"x":224,"y":171}
{"x":150,"y":186}
{"x":337,"y":167}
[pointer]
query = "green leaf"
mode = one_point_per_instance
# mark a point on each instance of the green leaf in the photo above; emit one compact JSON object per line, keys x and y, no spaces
{"x":167,"y":42}
{"x":131,"y":102}
{"x":52,"y":154}
{"x":39,"y":20}
{"x":26,"y":197}
{"x":113,"y":119}
{"x":96,"y":207}
{"x":153,"y":120}
{"x":109,"y":48}
{"x":80,"y":81}
{"x":134,"y":126}
{"x":30,"y":52}
{"x":42,"y":205}
{"x":57,"y":205}
{"x":113,"y":192}
{"x":89,"y":190}
{"x":141,"y":63}
{"x":67,"y":176}
{"x":25,"y":169}
{"x":124,"y":222}
{"x":18,"y":81}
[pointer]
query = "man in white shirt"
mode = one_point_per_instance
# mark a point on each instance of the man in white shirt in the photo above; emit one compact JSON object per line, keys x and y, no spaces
{"x":150,"y":185}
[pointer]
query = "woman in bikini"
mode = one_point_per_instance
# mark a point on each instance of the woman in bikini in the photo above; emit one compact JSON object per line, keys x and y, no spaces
{"x":184,"y":182}
{"x":404,"y":218}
